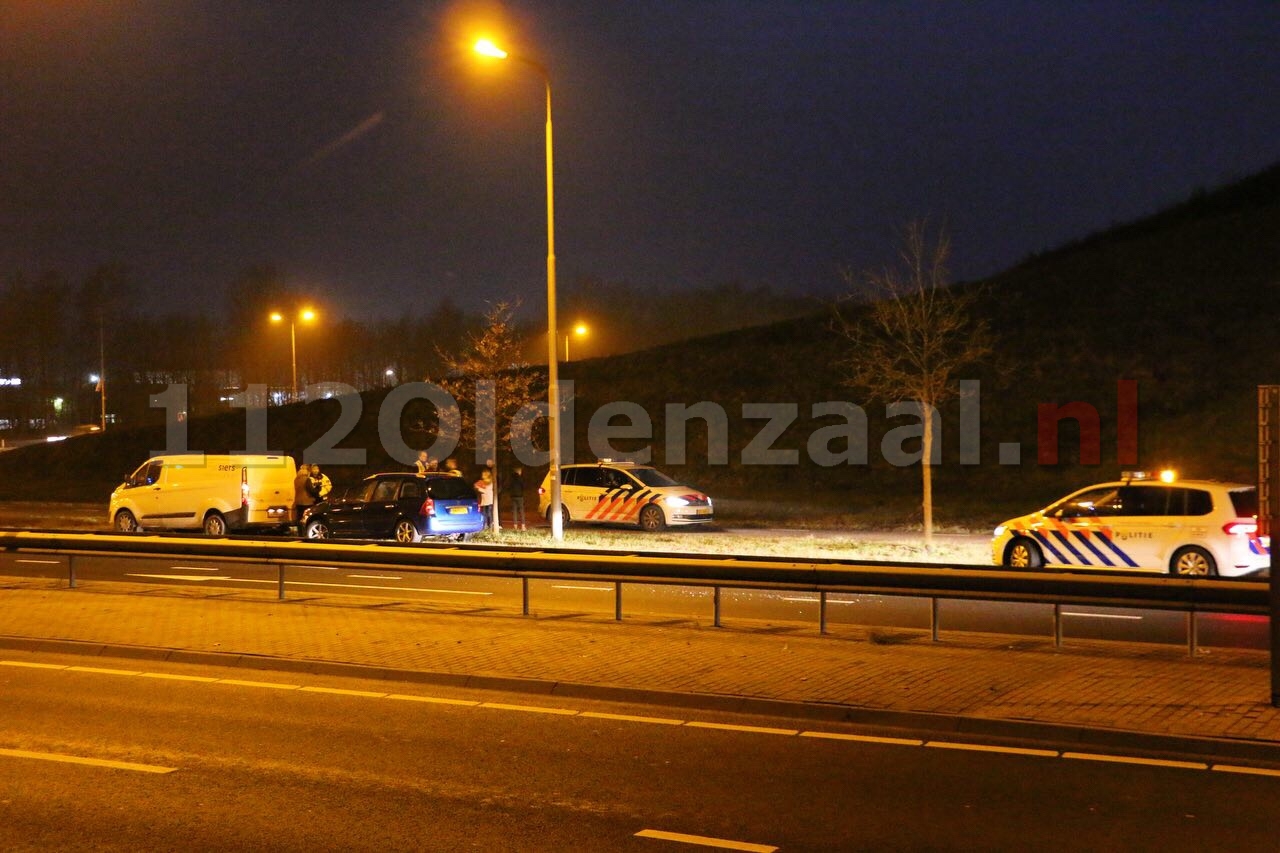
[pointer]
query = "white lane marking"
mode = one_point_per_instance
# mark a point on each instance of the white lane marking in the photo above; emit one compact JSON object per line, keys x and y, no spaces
{"x":732,"y":728}
{"x":192,"y":578}
{"x":705,"y":841}
{"x":313,"y":583}
{"x":168,"y":676}
{"x":375,"y":577}
{"x":269,"y":684}
{"x":896,"y":741}
{"x":978,"y":747}
{"x":1128,"y":759}
{"x":91,"y":762}
{"x":532,"y":709}
{"x":1250,"y":771}
{"x":32,"y":665}
{"x":434,"y":700}
{"x":339,"y":692}
{"x":103,"y":670}
{"x":40,"y":562}
{"x":1102,"y":616}
{"x":631,"y":718}
{"x":584,"y":588}
{"x":195,"y":569}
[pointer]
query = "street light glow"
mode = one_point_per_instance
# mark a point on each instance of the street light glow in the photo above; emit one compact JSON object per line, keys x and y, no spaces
{"x":485,"y":47}
{"x":580,"y":329}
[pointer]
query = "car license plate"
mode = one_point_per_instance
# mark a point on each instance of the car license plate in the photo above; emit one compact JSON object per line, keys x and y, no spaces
{"x":458,"y":510}
{"x":702,"y":510}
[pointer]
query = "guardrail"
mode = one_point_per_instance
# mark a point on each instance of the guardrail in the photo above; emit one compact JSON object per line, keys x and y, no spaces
{"x":936,"y":582}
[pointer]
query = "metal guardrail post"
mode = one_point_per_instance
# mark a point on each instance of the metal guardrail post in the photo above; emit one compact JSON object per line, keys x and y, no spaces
{"x":822,"y":612}
{"x":715,"y":598}
{"x":281,"y":587}
{"x":933,"y":618}
{"x":71,"y":571}
{"x":524,"y":595}
{"x":617,"y":601}
{"x":1057,"y":626}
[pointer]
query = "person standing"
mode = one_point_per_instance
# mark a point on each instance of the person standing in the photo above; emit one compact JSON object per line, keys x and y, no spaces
{"x":303,"y":499}
{"x":424,"y":463}
{"x":320,"y":484}
{"x":515,"y":485}
{"x":484,"y":487}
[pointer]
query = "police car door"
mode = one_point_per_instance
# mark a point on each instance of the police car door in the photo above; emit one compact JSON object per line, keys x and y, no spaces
{"x":1079,"y":531}
{"x":1143,"y":527}
{"x":580,"y":489}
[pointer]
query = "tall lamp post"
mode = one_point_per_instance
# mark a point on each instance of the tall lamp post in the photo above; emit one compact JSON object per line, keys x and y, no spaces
{"x":484,"y":47}
{"x":306,"y":315}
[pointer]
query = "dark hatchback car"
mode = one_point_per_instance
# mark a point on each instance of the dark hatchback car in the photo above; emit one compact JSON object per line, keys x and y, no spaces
{"x":403,"y":507}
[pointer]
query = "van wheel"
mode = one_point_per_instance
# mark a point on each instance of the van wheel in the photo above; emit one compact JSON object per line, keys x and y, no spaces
{"x":1192,"y":562}
{"x":652,"y":520}
{"x":215,"y":524}
{"x":564,"y":517}
{"x":316,"y":529}
{"x":126,"y":523}
{"x":1022,"y":553}
{"x":406,"y":532}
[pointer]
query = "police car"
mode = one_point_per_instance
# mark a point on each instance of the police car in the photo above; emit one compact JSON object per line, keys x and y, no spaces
{"x":610,"y":492}
{"x":1142,"y":523}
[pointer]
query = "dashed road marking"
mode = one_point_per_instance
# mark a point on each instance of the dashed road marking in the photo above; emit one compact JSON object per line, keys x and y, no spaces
{"x":632,"y":718}
{"x":982,"y":747}
{"x":764,"y":730}
{"x":705,"y":841}
{"x":1131,"y":759}
{"x":894,"y":741}
{"x":91,"y":762}
{"x":1249,"y":771}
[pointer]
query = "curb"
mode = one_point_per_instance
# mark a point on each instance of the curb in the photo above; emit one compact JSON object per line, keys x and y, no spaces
{"x":880,"y":720}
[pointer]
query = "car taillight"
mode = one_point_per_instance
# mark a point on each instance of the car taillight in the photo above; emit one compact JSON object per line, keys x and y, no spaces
{"x":1240,"y":527}
{"x":428,"y":508}
{"x":541,"y":491}
{"x":244,"y":494}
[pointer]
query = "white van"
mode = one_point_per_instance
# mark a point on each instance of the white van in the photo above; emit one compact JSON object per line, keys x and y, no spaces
{"x":202,"y":492}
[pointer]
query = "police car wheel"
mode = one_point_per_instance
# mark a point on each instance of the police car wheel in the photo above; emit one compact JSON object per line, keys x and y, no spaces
{"x":1193,"y":562}
{"x":125,"y":522}
{"x":652,"y":520}
{"x":215,"y":524}
{"x":564,"y":516}
{"x":406,"y":532}
{"x":1023,"y":554}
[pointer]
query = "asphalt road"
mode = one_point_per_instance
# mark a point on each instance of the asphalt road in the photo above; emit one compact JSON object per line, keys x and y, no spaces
{"x":201,"y":758}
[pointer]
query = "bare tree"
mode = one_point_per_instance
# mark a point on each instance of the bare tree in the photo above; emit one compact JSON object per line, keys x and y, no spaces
{"x":490,"y":357}
{"x":909,"y":333}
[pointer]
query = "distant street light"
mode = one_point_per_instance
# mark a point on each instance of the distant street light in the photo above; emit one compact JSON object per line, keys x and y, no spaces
{"x":485,"y":47}
{"x":580,"y":330}
{"x":306,"y":315}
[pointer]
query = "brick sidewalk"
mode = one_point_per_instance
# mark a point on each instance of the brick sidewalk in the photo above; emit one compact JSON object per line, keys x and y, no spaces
{"x":1129,"y":687}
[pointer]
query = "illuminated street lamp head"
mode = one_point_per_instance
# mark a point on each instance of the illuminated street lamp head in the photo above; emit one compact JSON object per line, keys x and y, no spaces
{"x":307,"y":315}
{"x":277,"y":317}
{"x":580,"y":329}
{"x":484,"y":47}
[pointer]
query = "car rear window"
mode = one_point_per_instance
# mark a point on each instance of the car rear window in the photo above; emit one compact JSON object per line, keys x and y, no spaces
{"x":450,"y":489}
{"x":1245,"y":502}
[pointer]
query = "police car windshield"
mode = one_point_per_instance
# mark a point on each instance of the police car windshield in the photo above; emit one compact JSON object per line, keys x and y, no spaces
{"x":652,"y":477}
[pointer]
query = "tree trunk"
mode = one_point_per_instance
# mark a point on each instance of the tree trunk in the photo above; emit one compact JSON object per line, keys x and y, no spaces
{"x":926,"y":476}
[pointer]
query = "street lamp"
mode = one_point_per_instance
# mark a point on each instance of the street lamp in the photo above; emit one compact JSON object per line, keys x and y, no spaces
{"x":306,"y":315}
{"x":580,"y":330}
{"x":485,"y":47}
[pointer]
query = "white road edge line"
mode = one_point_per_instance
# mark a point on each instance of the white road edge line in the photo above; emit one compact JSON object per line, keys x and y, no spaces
{"x":895,"y":741}
{"x":1126,"y":759}
{"x":706,"y":841}
{"x":979,"y":747}
{"x":727,"y":727}
{"x":1249,"y":771}
{"x":91,"y":762}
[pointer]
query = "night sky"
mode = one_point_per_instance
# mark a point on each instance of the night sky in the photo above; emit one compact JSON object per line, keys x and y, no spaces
{"x":362,"y":150}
